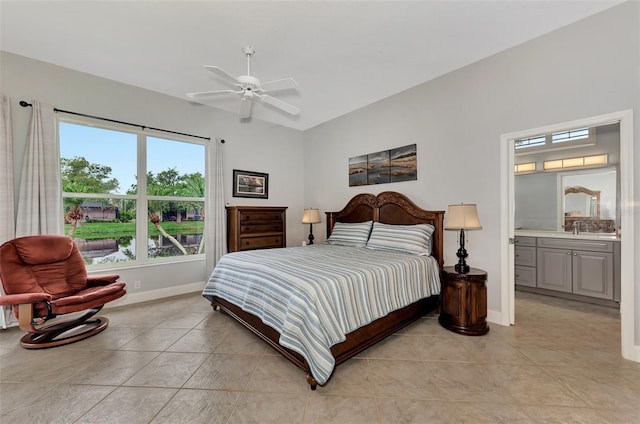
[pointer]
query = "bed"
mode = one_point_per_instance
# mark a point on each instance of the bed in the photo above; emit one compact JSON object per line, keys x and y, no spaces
{"x":335,"y":331}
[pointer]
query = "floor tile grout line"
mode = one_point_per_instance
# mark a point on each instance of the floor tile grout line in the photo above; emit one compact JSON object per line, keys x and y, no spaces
{"x":531,"y":360}
{"x":98,"y":403}
{"x":122,"y":385}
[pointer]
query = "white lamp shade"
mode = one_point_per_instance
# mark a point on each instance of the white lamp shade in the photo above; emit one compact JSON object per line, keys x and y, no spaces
{"x":311,"y":216}
{"x":462,"y":217}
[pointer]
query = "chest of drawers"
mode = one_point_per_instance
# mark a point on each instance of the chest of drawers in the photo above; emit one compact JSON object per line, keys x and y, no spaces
{"x":256,"y":227}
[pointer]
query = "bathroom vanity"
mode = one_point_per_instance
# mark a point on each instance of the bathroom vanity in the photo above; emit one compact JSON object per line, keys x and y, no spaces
{"x":584,"y":267}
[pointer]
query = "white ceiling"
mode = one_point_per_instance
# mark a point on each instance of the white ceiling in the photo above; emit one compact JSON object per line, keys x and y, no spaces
{"x":343,"y":54}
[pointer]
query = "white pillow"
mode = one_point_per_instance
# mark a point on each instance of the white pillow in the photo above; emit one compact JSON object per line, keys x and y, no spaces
{"x":414,"y":239}
{"x":353,"y":234}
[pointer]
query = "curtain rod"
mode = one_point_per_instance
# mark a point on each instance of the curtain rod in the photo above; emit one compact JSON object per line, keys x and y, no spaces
{"x":25,"y":104}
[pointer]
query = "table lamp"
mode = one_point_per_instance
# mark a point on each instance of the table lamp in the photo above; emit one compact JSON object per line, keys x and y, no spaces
{"x":311,"y":216}
{"x":462,"y":217}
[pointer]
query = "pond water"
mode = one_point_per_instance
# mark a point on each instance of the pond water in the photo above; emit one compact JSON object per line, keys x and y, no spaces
{"x":109,"y":250}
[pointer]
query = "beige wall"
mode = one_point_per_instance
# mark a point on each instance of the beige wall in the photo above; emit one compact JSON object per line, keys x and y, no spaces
{"x":254,"y":146}
{"x":587,"y":69}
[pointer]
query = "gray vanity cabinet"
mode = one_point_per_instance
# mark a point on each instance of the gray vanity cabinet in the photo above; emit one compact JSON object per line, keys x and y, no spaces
{"x":555,"y":269}
{"x":583,"y":267}
{"x":593,"y":274}
{"x":525,"y":261}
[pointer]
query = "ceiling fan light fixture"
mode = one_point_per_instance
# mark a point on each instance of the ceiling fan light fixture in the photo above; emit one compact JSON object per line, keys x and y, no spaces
{"x":245,"y":108}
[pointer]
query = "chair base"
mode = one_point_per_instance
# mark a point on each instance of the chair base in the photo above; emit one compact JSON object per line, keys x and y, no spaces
{"x":64,"y":336}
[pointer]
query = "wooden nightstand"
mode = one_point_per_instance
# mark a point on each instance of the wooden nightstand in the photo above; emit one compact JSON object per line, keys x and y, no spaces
{"x":463,"y":301}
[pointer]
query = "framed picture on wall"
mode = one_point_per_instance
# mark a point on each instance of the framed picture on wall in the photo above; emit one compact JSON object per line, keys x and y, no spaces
{"x":388,"y":166}
{"x":358,"y":171}
{"x":250,"y":184}
{"x":403,"y":164}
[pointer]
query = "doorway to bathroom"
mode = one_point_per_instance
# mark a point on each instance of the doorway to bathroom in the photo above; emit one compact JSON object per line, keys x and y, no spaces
{"x":626,"y":222}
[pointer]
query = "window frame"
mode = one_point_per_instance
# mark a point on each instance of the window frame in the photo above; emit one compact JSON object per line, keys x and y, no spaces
{"x":551,"y":145}
{"x":141,"y":198}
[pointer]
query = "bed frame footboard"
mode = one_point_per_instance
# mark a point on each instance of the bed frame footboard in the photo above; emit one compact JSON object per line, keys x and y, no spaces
{"x":355,"y":343}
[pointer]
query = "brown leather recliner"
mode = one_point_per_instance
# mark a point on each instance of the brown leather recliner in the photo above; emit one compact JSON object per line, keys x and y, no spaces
{"x":45,"y":276}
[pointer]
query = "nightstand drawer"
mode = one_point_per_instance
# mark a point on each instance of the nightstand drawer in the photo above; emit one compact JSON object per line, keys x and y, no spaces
{"x":249,"y":243}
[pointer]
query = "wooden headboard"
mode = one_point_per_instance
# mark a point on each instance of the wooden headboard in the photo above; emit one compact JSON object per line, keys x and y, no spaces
{"x":390,"y":207}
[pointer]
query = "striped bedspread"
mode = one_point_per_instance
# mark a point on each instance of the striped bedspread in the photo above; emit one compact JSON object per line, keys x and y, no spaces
{"x":315,"y":295}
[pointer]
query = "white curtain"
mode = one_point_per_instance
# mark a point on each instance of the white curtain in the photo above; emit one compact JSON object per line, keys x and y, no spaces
{"x":215,"y":215}
{"x":7,"y":205}
{"x":40,"y":197}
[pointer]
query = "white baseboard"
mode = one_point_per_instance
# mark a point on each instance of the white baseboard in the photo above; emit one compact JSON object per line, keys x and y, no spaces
{"x":635,"y":354}
{"x":131,"y":298}
{"x":496,"y":317}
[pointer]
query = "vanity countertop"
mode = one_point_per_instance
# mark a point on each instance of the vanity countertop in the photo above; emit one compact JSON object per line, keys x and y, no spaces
{"x":567,"y":235}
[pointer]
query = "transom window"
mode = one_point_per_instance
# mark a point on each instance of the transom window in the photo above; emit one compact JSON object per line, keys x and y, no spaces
{"x":531,"y":142}
{"x":569,"y":136}
{"x":553,"y":141}
{"x":131,"y":196}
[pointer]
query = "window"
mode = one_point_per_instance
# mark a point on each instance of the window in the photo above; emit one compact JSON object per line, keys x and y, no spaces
{"x":131,"y":196}
{"x":531,"y":142}
{"x":555,"y":141}
{"x":569,"y":136}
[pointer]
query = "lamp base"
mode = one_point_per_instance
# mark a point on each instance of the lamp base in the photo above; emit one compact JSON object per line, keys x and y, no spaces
{"x":462,"y":267}
{"x":311,"y":237}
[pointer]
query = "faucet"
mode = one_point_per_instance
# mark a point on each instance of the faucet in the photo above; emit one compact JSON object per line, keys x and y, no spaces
{"x":576,"y":228}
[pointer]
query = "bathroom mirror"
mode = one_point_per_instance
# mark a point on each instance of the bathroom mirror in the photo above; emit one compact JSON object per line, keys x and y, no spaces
{"x":540,"y":203}
{"x":589,"y":198}
{"x":581,"y":202}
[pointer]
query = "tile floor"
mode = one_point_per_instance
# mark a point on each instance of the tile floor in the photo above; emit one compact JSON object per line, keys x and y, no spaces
{"x":176,"y":361}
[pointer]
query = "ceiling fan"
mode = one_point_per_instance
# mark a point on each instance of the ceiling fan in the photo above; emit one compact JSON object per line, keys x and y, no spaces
{"x":250,"y":87}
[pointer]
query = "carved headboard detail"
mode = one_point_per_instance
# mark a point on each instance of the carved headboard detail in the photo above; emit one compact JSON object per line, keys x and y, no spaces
{"x":394,"y":208}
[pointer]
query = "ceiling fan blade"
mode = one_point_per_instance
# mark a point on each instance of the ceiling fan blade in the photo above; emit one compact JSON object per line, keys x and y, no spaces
{"x":224,"y":74}
{"x":211,"y":93}
{"x":279,"y":84}
{"x":289,"y":108}
{"x":245,"y":108}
